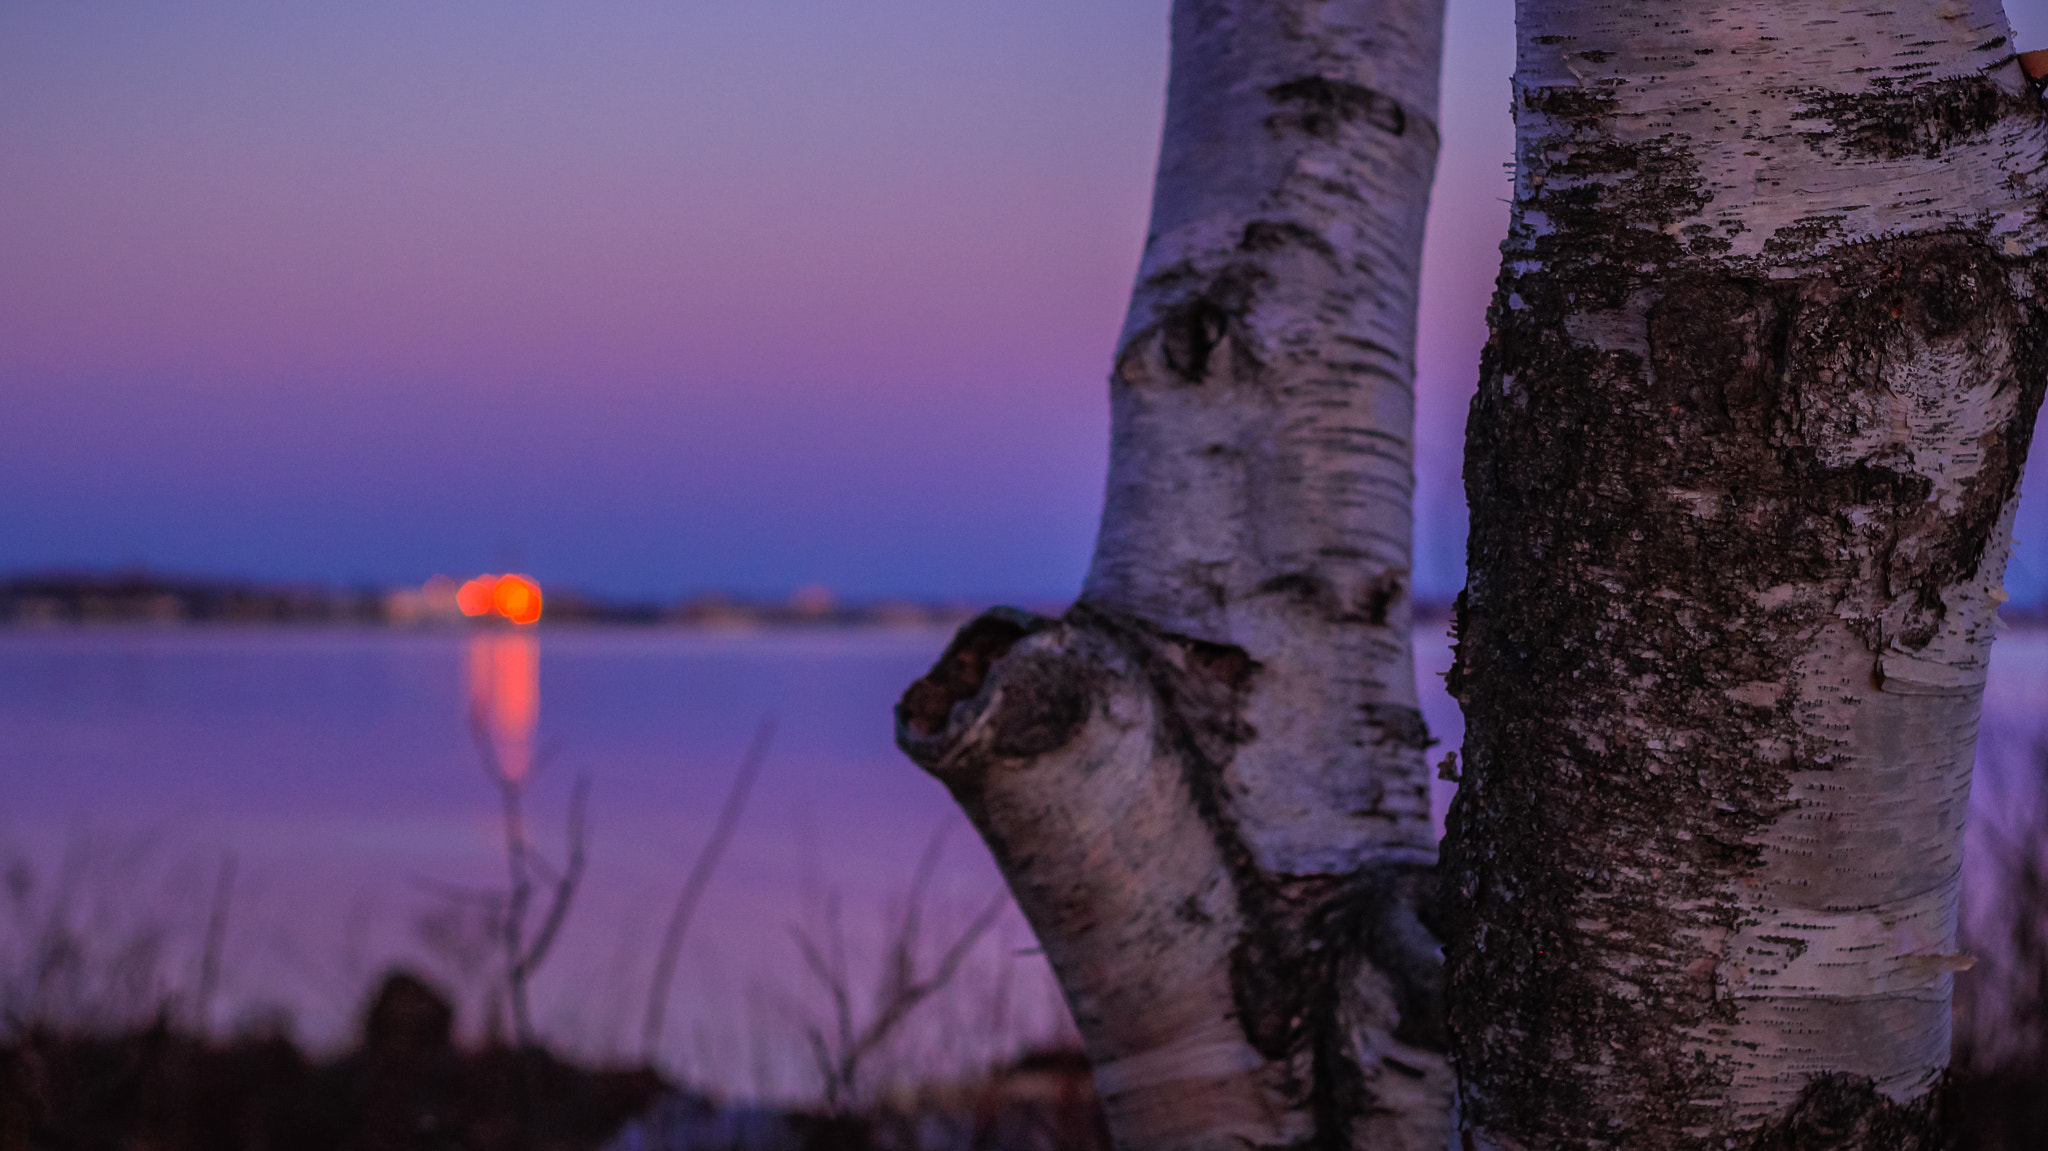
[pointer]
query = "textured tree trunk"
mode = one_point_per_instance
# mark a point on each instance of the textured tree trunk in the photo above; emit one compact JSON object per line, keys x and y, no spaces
{"x":1205,"y":782}
{"x":1767,"y":349}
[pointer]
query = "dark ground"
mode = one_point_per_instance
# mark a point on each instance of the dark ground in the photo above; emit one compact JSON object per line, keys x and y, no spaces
{"x":407,"y":1087}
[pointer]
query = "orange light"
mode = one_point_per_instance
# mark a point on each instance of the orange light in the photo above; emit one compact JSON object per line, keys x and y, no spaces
{"x":517,"y":598}
{"x":477,"y":596}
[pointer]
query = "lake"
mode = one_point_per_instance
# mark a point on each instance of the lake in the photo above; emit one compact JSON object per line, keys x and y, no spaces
{"x":337,"y":770}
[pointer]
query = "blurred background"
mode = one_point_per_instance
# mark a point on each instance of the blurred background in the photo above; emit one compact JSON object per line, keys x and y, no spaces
{"x":769,"y":338}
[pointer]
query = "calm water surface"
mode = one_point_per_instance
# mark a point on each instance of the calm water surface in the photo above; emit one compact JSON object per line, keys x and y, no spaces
{"x":337,"y":768}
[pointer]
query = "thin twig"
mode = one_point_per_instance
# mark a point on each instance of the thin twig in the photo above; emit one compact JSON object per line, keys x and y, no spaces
{"x":900,"y":990}
{"x":695,"y":884}
{"x":216,"y":935}
{"x":458,"y":893}
{"x":565,"y":887}
{"x":520,"y":891}
{"x":913,"y":993}
{"x":517,"y":899}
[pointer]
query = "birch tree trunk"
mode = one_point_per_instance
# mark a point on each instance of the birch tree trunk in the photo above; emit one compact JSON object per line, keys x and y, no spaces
{"x":1205,"y":782}
{"x":1768,"y":344}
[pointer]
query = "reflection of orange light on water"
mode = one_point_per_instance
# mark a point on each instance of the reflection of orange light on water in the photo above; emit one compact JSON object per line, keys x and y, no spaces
{"x":504,"y":693}
{"x":516,"y":597}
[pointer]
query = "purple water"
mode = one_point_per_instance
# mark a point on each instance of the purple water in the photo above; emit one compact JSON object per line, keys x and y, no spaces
{"x":337,"y":768}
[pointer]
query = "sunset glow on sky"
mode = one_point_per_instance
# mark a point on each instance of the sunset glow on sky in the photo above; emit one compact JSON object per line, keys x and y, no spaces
{"x":644,"y":298}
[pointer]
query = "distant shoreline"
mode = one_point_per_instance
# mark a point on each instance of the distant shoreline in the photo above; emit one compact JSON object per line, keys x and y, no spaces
{"x":87,"y":599}
{"x":75,"y":599}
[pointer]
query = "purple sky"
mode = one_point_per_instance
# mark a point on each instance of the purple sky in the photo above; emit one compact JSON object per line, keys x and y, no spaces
{"x":643,"y":297}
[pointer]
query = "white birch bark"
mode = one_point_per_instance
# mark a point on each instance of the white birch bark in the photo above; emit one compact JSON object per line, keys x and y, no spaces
{"x":1768,"y":348}
{"x":1205,"y":783}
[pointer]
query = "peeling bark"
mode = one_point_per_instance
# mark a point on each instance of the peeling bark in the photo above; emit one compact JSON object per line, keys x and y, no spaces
{"x":1767,"y":348}
{"x":1205,"y":782}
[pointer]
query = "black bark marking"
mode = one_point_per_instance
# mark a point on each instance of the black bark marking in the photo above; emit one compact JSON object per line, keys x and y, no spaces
{"x":1201,"y":688}
{"x":1397,"y":726}
{"x":1386,"y":591}
{"x":1893,"y":122}
{"x":1804,"y":235}
{"x":1301,"y":587}
{"x":1573,"y":105}
{"x":1191,"y":330}
{"x":1189,"y":333}
{"x":1308,"y":591}
{"x":1273,"y":235}
{"x":1319,"y":107}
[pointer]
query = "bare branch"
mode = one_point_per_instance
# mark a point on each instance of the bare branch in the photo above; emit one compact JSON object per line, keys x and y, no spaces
{"x":899,"y":990}
{"x":518,"y":896}
{"x":913,"y":991}
{"x":216,"y":935}
{"x":487,"y":750}
{"x":697,"y":881}
{"x":565,"y":887}
{"x":458,"y":893}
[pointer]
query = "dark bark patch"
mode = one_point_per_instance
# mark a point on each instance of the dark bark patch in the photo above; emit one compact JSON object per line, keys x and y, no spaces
{"x":1225,"y":663}
{"x":1171,"y":277}
{"x":1192,"y":331}
{"x":1201,"y":688}
{"x":1046,"y":700}
{"x":1373,"y":605}
{"x":1276,"y":979}
{"x":1628,"y":510}
{"x":1571,"y":105}
{"x":927,"y":705}
{"x":1839,"y":1112}
{"x":1382,"y":595}
{"x":1397,"y":726}
{"x":1301,"y":587}
{"x":1320,"y":107}
{"x":1892,"y":122}
{"x":1611,"y":205}
{"x":1273,"y":235}
{"x":1802,"y":236}
{"x":1374,"y":918}
{"x":1382,"y":914}
{"x":1189,"y":333}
